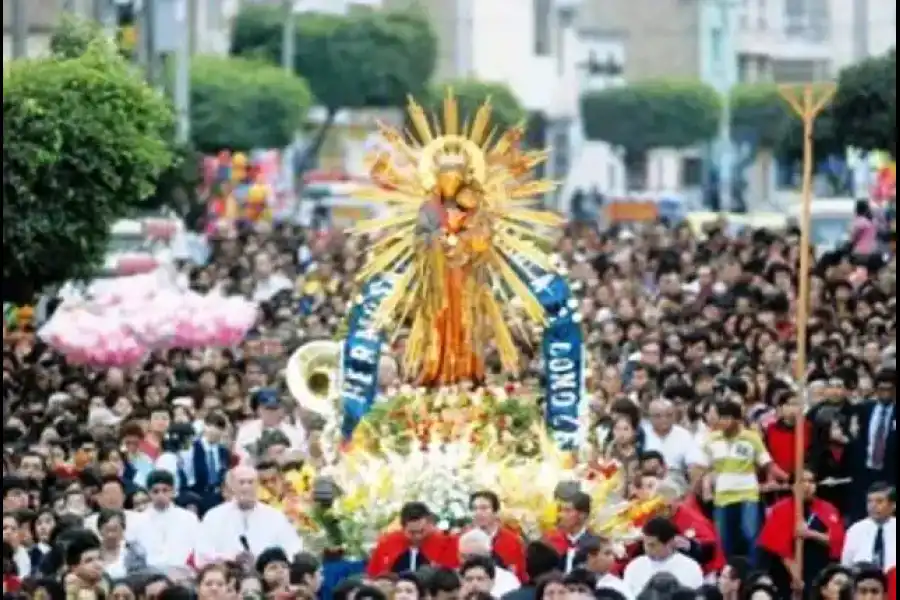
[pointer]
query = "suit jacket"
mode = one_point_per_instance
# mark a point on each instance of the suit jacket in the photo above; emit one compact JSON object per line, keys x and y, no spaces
{"x":208,"y":485}
{"x":559,"y":541}
{"x":861,"y":445}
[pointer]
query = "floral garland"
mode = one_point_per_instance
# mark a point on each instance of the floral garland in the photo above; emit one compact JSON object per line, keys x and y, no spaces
{"x":486,"y":418}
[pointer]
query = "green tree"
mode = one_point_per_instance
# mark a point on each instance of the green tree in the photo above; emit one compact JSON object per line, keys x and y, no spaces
{"x":362,"y":59}
{"x":240,"y":104}
{"x":73,"y":36}
{"x":760,"y":115}
{"x":652,"y":114}
{"x":470,"y":94}
{"x":84,"y":141}
{"x":865,"y":104}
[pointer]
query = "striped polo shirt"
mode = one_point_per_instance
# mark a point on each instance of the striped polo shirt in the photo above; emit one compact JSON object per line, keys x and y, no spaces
{"x":734,"y":462}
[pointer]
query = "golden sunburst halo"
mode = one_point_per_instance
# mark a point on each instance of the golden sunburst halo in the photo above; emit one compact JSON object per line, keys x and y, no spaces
{"x":520,"y":234}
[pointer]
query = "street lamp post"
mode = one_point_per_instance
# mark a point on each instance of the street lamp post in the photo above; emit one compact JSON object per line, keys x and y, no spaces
{"x":287,"y":36}
{"x":726,"y":66}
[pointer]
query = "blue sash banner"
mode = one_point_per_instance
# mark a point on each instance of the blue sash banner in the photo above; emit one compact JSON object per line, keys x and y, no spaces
{"x":562,"y":350}
{"x":360,"y":355}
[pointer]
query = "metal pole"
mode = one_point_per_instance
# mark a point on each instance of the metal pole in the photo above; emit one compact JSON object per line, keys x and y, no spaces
{"x":860,"y":30}
{"x":183,"y":72}
{"x":726,"y":160}
{"x":20,"y":29}
{"x":287,"y":36}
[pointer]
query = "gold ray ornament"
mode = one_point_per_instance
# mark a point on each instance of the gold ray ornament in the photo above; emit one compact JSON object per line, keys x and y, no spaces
{"x":458,"y":236}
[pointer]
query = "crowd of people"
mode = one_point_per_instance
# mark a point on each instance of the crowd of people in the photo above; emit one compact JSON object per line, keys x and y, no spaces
{"x":162,"y":482}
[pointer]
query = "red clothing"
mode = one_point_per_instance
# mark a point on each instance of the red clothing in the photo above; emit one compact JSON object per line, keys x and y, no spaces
{"x":781,"y":439}
{"x":694,"y":525}
{"x":892,"y":582}
{"x":149,"y":447}
{"x":438,"y":548}
{"x":560,"y":541}
{"x":11,"y":584}
{"x":510,"y":549}
{"x":779,"y":532}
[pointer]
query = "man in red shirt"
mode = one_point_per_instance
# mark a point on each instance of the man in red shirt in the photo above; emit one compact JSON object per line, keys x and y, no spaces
{"x":574,"y":513}
{"x":781,"y":435}
{"x":417,"y":544}
{"x":508,"y":546}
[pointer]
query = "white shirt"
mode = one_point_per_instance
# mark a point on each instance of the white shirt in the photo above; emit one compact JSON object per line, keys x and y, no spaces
{"x":168,"y":537}
{"x":170,"y":461}
{"x":131,"y":516}
{"x":23,"y":562}
{"x":116,"y":569}
{"x":263,"y":526}
{"x":679,"y":448}
{"x":611,"y":582}
{"x":683,"y":568}
{"x":859,"y":546}
{"x":250,"y":432}
{"x":505,"y":582}
{"x":266,"y":289}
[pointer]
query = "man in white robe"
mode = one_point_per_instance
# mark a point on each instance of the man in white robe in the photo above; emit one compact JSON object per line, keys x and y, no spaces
{"x":167,"y":533}
{"x":242,"y":528}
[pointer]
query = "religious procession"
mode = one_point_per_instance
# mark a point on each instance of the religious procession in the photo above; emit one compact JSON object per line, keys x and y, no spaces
{"x":421,"y":374}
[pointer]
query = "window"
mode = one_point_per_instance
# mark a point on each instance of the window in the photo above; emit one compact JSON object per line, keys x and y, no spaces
{"x":543,"y":44}
{"x":692,"y":171}
{"x":796,"y":17}
{"x":762,"y":16}
{"x":795,"y":71}
{"x":744,"y":19}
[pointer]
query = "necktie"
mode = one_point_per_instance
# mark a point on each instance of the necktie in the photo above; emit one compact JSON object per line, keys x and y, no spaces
{"x":878,"y":552}
{"x":879,"y":451}
{"x":211,"y":466}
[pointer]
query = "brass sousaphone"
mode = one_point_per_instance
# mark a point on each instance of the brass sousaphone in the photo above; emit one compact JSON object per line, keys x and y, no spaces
{"x":312,"y":375}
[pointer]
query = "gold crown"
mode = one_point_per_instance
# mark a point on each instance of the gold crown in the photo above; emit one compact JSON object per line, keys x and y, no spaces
{"x":451,"y":156}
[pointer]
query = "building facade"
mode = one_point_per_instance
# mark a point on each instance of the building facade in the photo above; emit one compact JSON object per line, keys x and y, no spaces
{"x":211,"y":20}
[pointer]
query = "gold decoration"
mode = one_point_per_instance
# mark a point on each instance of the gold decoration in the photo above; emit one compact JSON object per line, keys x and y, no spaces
{"x":460,"y":238}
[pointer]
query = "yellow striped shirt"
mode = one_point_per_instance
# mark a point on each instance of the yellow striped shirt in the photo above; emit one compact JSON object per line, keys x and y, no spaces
{"x":734,"y":462}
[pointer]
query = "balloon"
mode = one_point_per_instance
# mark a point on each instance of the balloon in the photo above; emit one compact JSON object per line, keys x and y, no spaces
{"x":120,"y":321}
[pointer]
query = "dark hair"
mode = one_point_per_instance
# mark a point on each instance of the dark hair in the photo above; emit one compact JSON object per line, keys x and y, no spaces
{"x":345,"y":588}
{"x":869,"y":572}
{"x":580,"y":501}
{"x":882,"y":487}
{"x":554,"y":577}
{"x":662,"y":529}
{"x":160,"y":477}
{"x":488,"y":495}
{"x":443,"y":580}
{"x":771,"y":590}
{"x":581,"y":576}
{"x":730,"y":410}
{"x":107,"y":514}
{"x":653,"y":455}
{"x":478,"y":595}
{"x":609,"y":594}
{"x":590,"y":547}
{"x":825,"y":577}
{"x":112,"y":479}
{"x":414,"y":511}
{"x":708,"y":592}
{"x":79,"y":543}
{"x":485,"y":563}
{"x":740,"y":568}
{"x":414,"y":579}
{"x":540,"y":559}
{"x":176,"y":592}
{"x":304,"y":565}
{"x":369,"y":592}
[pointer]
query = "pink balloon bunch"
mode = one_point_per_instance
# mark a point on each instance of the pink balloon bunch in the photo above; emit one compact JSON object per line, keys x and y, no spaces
{"x":119,"y":324}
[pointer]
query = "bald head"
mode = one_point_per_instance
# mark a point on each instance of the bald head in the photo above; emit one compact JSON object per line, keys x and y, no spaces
{"x":662,"y":415}
{"x":475,"y":542}
{"x":242,"y":481}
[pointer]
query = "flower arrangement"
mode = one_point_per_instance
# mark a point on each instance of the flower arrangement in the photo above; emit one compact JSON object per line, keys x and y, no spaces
{"x":375,"y":485}
{"x":485,"y":418}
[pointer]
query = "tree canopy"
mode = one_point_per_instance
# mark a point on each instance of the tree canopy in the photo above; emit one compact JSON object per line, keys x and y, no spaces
{"x":506,"y":109}
{"x":362,"y":59}
{"x":84,"y":140}
{"x":760,"y":115}
{"x":652,"y":114}
{"x":241,"y":104}
{"x":864,"y":108}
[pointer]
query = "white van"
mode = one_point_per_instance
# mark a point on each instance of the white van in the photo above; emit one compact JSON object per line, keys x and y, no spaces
{"x":830,"y":222}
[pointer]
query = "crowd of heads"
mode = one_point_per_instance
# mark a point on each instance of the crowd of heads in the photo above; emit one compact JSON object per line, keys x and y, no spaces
{"x":675,"y":322}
